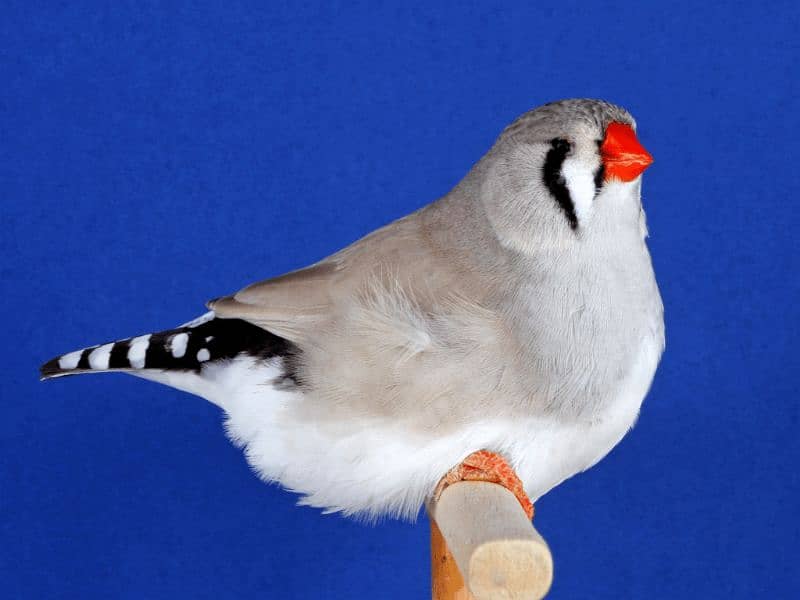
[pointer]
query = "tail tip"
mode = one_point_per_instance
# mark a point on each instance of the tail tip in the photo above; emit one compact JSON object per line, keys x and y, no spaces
{"x":50,"y":369}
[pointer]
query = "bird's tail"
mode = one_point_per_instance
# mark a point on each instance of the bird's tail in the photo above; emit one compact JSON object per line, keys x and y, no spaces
{"x":176,"y":357}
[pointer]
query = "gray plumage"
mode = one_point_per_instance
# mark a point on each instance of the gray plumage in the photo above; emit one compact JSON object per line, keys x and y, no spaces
{"x":483,"y":320}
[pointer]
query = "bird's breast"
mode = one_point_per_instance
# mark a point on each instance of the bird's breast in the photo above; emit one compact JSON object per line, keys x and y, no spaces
{"x":590,"y":333}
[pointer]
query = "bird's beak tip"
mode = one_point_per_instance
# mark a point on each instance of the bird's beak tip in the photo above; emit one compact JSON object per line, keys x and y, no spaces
{"x":623,"y":155}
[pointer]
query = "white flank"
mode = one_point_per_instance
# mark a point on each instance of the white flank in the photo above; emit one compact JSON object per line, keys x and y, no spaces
{"x":99,"y":357}
{"x":138,"y":350}
{"x":400,"y":467}
{"x":178,"y":344}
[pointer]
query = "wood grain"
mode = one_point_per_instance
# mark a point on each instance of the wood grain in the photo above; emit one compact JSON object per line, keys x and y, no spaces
{"x":483,"y":544}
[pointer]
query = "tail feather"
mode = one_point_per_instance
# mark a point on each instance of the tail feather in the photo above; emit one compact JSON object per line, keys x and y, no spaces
{"x":188,"y":348}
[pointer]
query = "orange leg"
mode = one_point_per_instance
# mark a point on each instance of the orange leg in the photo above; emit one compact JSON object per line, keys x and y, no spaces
{"x":484,"y":465}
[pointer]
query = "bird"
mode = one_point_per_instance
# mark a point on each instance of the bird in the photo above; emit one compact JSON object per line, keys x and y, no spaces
{"x":518,"y":314}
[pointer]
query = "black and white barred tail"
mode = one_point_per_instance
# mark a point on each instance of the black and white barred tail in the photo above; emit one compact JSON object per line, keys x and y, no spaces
{"x":188,"y":348}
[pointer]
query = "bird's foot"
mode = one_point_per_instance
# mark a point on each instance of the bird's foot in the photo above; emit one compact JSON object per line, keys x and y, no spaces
{"x":484,"y":465}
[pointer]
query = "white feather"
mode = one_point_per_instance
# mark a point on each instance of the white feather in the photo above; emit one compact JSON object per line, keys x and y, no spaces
{"x":579,"y":179}
{"x":138,"y":350}
{"x":99,"y":357}
{"x":70,"y":361}
{"x":178,"y":343}
{"x":372,"y":467}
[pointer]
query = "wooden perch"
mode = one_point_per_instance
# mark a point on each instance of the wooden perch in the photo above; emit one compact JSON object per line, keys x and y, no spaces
{"x":479,"y":530}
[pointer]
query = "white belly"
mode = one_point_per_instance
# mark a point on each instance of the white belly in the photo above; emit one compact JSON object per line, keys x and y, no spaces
{"x":558,"y":451}
{"x":376,"y":467}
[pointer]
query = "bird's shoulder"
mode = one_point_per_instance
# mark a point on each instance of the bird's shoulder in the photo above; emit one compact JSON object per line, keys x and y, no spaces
{"x":400,"y":255}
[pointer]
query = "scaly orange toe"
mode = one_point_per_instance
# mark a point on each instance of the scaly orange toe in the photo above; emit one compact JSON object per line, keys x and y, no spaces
{"x":484,"y":465}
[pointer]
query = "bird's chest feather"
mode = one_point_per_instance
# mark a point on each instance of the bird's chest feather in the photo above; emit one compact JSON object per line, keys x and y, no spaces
{"x":592,"y":351}
{"x":556,"y":448}
{"x":591,"y":334}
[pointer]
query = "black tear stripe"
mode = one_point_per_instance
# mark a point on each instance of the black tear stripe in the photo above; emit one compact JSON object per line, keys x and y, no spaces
{"x":599,"y":176}
{"x":555,"y":181}
{"x":600,"y":173}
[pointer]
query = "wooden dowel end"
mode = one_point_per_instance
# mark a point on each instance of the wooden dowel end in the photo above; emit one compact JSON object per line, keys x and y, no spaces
{"x":487,"y":536}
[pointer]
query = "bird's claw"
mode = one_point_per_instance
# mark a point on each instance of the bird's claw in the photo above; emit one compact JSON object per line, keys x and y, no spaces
{"x":484,"y":465}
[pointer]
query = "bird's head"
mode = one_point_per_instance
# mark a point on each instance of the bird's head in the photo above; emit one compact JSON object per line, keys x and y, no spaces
{"x":563,"y":174}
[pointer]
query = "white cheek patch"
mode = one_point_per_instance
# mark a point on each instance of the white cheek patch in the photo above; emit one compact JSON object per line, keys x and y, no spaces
{"x":579,"y":179}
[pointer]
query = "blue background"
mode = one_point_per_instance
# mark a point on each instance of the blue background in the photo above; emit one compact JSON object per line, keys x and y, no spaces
{"x":153,"y":157}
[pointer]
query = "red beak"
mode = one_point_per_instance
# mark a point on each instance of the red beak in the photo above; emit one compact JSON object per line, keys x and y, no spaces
{"x":623,"y":156}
